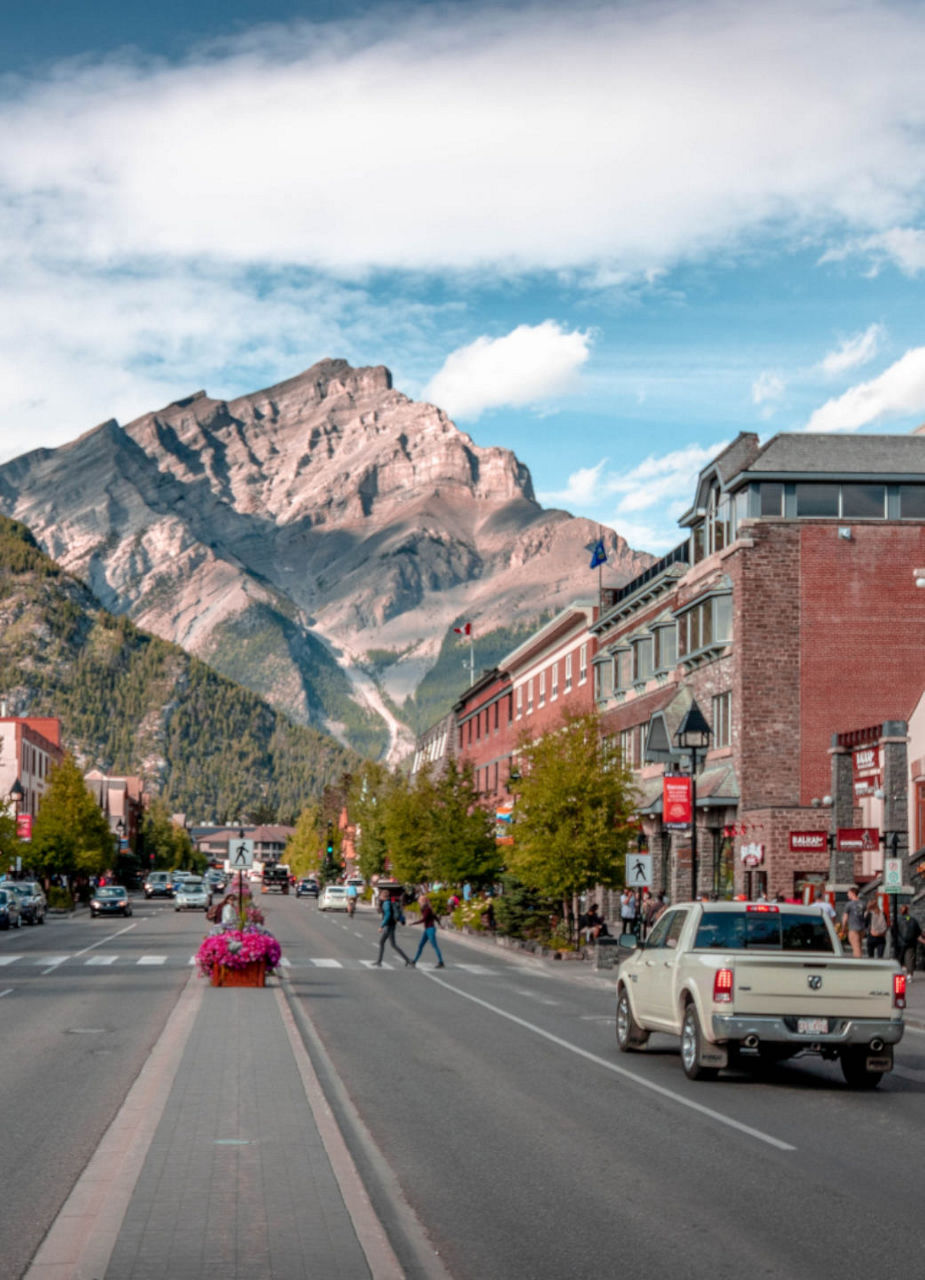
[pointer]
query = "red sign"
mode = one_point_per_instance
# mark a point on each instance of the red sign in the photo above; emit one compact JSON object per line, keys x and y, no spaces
{"x":858,"y":839}
{"x":866,"y":768}
{"x":808,"y":842}
{"x":24,"y":826}
{"x":676,"y":800}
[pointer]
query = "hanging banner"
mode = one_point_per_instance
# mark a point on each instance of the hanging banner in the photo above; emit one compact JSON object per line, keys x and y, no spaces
{"x":857,"y":839}
{"x":676,"y":800}
{"x":24,"y":826}
{"x":866,"y":770}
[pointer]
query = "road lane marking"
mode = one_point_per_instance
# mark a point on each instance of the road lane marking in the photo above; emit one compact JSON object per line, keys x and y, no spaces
{"x":371,"y":964}
{"x":480,"y":969}
{"x":532,"y":995}
{"x":101,"y":942}
{"x":8,"y":991}
{"x":102,"y":959}
{"x":151,"y":960}
{"x":51,"y":961}
{"x":9,"y":959}
{"x":327,"y":964}
{"x":617,"y":1070}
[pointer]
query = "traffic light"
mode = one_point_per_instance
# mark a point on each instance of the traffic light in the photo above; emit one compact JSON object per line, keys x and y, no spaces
{"x":330,"y":848}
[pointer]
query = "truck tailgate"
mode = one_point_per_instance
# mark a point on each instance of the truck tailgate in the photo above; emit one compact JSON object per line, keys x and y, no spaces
{"x":834,"y":986}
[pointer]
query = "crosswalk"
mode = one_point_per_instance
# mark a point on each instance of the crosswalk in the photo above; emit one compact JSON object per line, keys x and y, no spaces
{"x":112,"y":959}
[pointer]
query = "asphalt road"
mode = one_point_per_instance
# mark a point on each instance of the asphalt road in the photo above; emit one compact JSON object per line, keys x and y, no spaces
{"x":489,"y":1097}
{"x":81,"y":1004}
{"x":529,"y":1147}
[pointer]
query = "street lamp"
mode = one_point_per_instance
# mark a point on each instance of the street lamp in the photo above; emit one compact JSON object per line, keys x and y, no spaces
{"x":694,"y":735}
{"x":17,"y":795}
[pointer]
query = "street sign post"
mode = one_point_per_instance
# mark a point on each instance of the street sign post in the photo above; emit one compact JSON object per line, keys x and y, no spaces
{"x":892,"y":875}
{"x":639,"y":870}
{"x":241,"y":855}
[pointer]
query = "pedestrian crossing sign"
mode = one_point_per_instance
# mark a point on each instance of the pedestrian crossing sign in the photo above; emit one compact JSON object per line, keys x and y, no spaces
{"x":639,"y":870}
{"x":240,"y":855}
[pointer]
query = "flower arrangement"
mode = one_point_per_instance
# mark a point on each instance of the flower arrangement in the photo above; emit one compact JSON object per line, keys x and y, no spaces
{"x":237,"y":948}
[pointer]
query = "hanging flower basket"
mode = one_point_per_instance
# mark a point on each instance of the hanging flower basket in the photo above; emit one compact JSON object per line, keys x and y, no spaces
{"x":238,"y":957}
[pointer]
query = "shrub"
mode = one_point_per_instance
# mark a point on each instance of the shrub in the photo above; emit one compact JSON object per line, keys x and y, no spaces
{"x":60,"y":899}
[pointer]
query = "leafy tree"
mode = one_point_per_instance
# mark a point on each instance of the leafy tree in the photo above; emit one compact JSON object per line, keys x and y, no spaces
{"x":463,"y":844}
{"x":574,"y":813}
{"x":70,"y":834}
{"x":11,"y":846}
{"x":169,"y":843}
{"x":303,"y":848}
{"x":366,"y":805}
{"x":408,"y":823}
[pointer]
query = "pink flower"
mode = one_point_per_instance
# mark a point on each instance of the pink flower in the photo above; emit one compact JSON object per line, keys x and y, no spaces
{"x":235,"y":949}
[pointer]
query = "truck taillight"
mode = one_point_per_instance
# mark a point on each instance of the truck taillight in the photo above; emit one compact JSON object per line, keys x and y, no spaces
{"x":723,"y":983}
{"x":899,"y":991}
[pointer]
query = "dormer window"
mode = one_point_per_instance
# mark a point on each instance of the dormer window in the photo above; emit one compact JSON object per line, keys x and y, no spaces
{"x":715,"y":530}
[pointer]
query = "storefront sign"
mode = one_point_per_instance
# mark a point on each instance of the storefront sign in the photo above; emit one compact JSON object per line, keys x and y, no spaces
{"x":857,"y":839}
{"x":808,"y":842}
{"x":752,"y":854}
{"x":676,"y":800}
{"x":866,"y":770}
{"x":24,"y":826}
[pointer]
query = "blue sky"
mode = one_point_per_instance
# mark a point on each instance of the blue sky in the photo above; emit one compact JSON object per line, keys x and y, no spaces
{"x":608,"y":238}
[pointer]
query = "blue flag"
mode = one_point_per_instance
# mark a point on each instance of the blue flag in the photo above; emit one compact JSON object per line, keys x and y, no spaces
{"x":598,"y":555}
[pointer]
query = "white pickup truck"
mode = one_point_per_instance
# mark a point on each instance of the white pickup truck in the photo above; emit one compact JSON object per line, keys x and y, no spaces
{"x":754,"y":982}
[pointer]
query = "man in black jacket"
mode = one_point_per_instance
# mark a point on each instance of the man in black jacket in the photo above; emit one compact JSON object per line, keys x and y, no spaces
{"x":908,"y":932}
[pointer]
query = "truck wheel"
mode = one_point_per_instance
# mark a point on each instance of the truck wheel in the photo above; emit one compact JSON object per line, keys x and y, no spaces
{"x":630,"y":1034}
{"x":691,"y":1041}
{"x":854,"y":1069}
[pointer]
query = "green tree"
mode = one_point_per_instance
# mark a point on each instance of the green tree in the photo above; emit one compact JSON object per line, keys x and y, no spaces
{"x":574,"y":813}
{"x":408,"y":825}
{"x":303,"y":848}
{"x":462,"y":839}
{"x":11,"y":846}
{"x":171,"y":845}
{"x":70,"y":835}
{"x":366,"y":806}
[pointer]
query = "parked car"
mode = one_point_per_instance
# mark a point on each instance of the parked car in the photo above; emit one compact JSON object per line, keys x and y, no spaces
{"x":10,"y":915}
{"x":333,"y":898}
{"x":159,"y":885}
{"x":192,"y":894}
{"x":307,"y":888}
{"x":32,"y":901}
{"x":111,"y":900}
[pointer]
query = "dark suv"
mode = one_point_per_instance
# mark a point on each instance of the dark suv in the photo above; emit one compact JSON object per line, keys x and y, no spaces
{"x":159,"y":884}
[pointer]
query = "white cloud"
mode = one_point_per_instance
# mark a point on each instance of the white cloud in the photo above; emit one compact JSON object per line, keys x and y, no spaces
{"x":529,"y":365}
{"x":651,"y":496}
{"x":902,"y":246}
{"x":768,"y":389}
{"x":853,"y":352}
{"x":899,"y":390}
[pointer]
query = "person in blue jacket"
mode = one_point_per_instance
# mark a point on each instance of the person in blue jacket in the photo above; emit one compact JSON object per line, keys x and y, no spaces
{"x":392,"y":916}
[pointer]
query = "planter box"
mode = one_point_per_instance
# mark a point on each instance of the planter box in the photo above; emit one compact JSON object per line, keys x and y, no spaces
{"x":252,"y":975}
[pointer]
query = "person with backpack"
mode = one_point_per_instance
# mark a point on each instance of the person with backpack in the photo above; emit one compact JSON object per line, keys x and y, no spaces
{"x":908,"y":932}
{"x":392,"y":916}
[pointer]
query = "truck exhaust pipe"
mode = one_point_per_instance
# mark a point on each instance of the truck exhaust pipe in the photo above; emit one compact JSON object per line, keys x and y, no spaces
{"x":876,"y":1045}
{"x":751,"y":1042}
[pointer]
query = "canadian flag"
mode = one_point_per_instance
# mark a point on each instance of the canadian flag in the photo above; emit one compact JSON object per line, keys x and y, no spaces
{"x":464,"y":630}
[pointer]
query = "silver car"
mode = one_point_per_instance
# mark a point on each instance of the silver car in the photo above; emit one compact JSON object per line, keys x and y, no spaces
{"x":192,"y":894}
{"x":32,"y":901}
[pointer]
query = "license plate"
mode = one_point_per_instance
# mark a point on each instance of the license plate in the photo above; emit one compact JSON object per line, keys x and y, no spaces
{"x":812,"y":1026}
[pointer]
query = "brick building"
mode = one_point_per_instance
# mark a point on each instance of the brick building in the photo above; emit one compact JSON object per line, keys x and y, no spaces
{"x":30,"y":747}
{"x":790,"y":611}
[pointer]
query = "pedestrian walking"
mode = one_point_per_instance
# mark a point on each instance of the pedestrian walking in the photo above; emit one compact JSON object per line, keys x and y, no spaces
{"x":908,"y":932}
{"x":876,"y":930}
{"x":392,"y":916}
{"x":628,"y":911}
{"x":853,"y":921}
{"x":429,"y":922}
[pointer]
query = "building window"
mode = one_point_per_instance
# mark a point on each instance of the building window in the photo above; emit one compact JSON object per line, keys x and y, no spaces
{"x":542,"y":697}
{"x":520,"y":701}
{"x":582,"y":664}
{"x":632,"y":744}
{"x":623,"y":660}
{"x":863,"y":501}
{"x":530,"y":696}
{"x":722,"y":719}
{"x":497,"y":713}
{"x":568,"y":672}
{"x":603,"y":679}
{"x":510,"y":708}
{"x":554,"y":682}
{"x":666,"y":647}
{"x":771,"y":498}
{"x":642,"y":658}
{"x":816,"y":499}
{"x":912,"y":501}
{"x":707,"y":623}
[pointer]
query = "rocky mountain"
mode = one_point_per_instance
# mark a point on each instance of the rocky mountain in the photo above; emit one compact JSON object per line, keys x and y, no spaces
{"x":315,"y":541}
{"x":131,"y":703}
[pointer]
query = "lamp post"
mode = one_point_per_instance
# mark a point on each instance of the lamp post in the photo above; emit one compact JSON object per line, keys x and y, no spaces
{"x":17,"y":794}
{"x":694,"y":735}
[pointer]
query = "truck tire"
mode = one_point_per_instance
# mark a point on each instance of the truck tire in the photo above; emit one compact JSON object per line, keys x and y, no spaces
{"x":691,"y":1041}
{"x":854,"y":1069}
{"x":630,"y":1034}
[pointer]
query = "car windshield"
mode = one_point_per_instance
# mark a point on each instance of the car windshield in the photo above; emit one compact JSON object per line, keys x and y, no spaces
{"x":766,"y":931}
{"x":110,"y":891}
{"x":335,"y":889}
{"x":192,"y":886}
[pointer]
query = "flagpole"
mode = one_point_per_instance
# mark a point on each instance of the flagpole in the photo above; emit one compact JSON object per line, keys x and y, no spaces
{"x":600,"y":576}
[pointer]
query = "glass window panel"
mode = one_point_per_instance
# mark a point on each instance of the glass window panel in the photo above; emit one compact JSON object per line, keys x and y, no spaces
{"x":817,"y":499}
{"x":722,"y":617}
{"x":697,"y":543}
{"x":912,"y":501}
{"x":863,"y":500}
{"x":771,"y":498}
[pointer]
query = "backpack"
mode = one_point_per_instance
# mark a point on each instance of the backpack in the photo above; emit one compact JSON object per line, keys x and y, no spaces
{"x":392,"y":912}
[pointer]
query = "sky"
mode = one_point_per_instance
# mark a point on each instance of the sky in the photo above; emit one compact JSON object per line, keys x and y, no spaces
{"x":606,"y":236}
